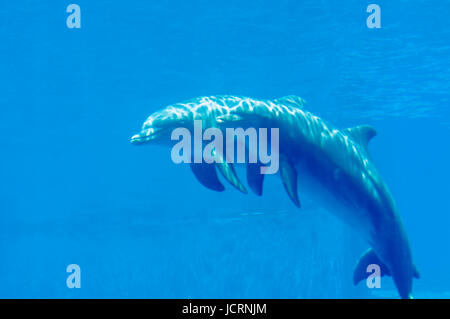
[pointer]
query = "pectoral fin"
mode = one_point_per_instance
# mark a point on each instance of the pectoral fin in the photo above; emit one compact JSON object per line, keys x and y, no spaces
{"x":289,"y":179}
{"x":206,"y":174}
{"x":255,"y":178}
{"x":229,"y":173}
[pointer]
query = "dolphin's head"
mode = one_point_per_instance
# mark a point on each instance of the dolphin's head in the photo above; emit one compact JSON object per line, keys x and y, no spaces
{"x":158,"y":127}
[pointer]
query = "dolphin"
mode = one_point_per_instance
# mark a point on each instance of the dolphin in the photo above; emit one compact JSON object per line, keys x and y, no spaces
{"x":334,"y":168}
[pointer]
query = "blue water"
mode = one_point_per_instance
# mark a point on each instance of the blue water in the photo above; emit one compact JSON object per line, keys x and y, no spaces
{"x":73,"y":190}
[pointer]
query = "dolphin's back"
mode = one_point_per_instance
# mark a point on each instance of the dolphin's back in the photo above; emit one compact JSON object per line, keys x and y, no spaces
{"x":338,"y":158}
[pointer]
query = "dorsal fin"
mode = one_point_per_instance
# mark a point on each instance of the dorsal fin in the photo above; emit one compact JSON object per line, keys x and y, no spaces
{"x":291,"y":100}
{"x":361,"y":134}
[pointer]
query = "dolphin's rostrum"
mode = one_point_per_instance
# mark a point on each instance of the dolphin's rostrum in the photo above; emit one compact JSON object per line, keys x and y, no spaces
{"x":333,"y":166}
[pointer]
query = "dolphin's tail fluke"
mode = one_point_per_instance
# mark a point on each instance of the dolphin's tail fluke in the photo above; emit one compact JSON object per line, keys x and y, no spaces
{"x":367,"y":259}
{"x":363,"y":270}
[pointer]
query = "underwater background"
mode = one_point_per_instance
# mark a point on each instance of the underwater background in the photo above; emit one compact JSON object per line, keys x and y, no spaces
{"x":73,"y":190}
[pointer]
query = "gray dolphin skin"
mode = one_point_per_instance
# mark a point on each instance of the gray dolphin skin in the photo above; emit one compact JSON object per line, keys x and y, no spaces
{"x":333,"y":167}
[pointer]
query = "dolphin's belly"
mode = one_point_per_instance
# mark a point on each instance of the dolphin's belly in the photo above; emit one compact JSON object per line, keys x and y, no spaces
{"x":335,"y":199}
